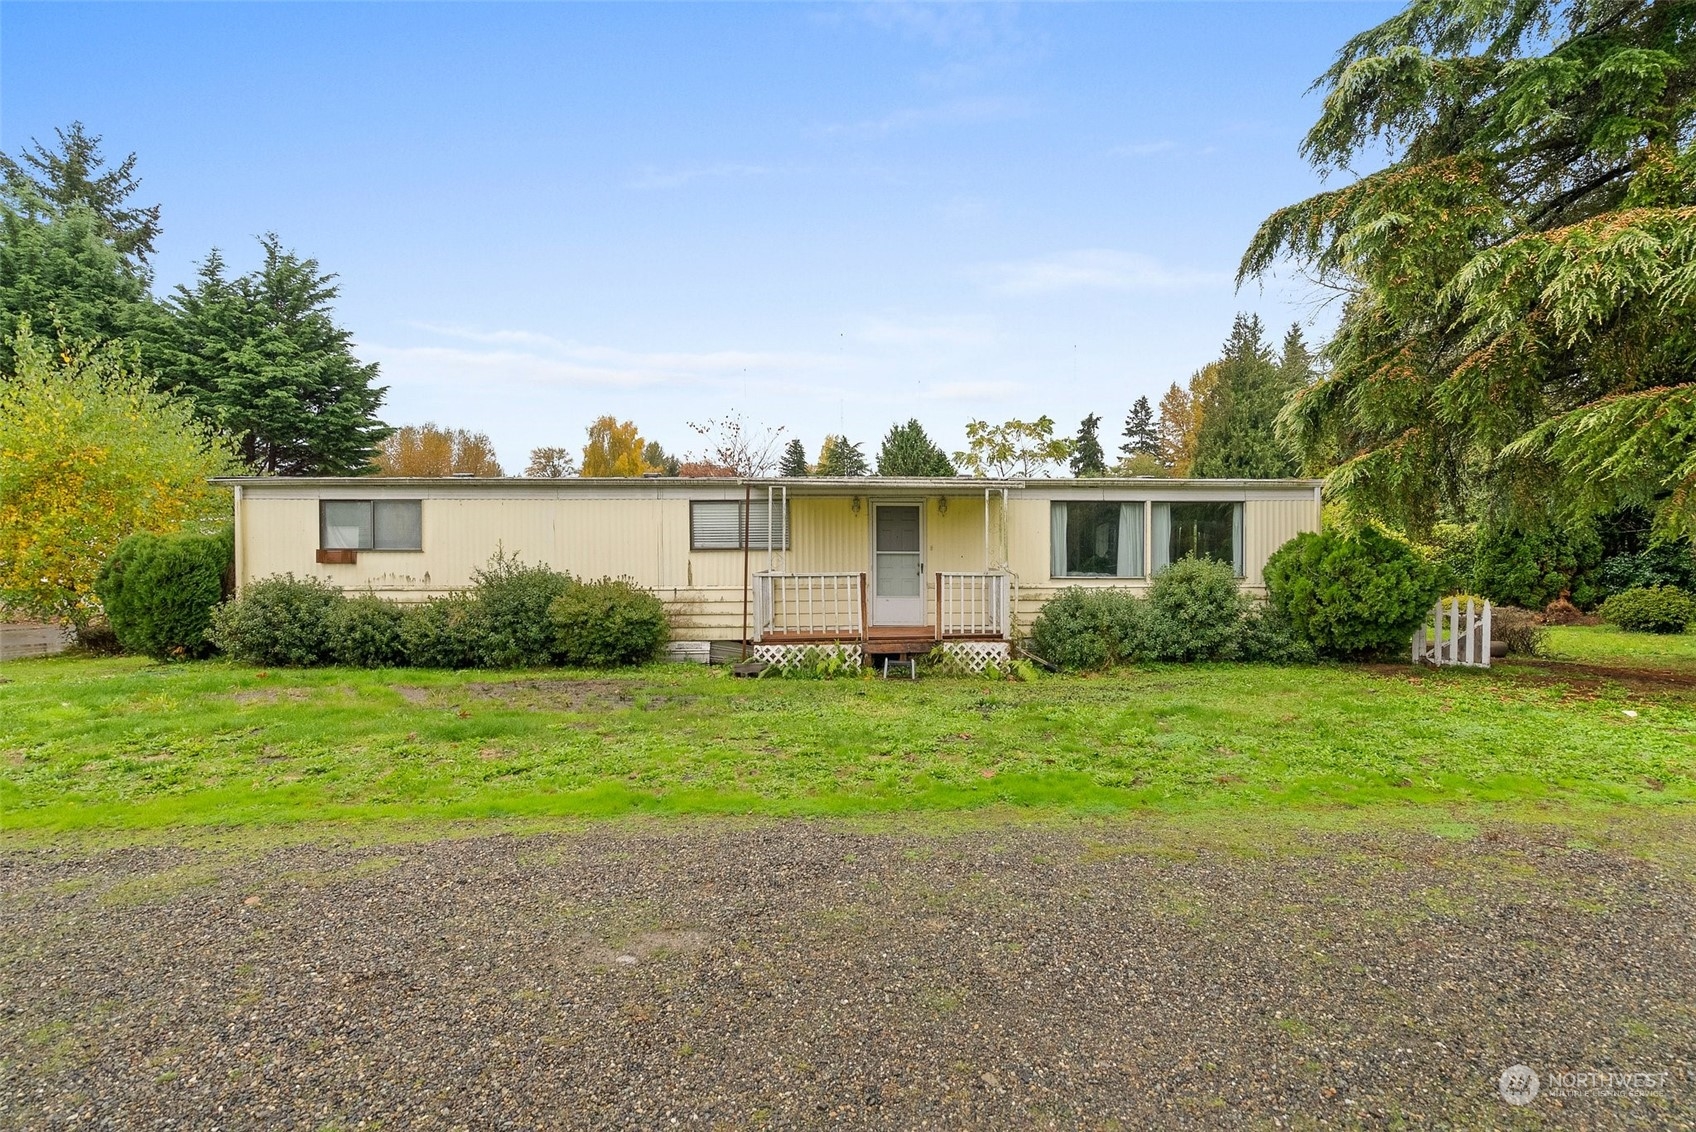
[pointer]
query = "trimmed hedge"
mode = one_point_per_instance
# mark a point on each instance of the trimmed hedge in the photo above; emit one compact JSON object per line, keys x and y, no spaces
{"x":1352,"y":596}
{"x":282,"y":621}
{"x":1195,"y":610}
{"x":1083,"y":628}
{"x":607,"y":623}
{"x":1651,"y":609}
{"x":510,"y":626}
{"x":159,"y":592}
{"x":364,"y":632}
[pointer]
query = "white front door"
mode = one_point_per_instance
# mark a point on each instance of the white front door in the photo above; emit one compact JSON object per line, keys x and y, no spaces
{"x":898,"y":567}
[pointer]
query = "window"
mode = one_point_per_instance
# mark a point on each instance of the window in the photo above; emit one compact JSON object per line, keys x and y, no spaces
{"x":1095,"y":540}
{"x":366,"y":524}
{"x":1206,"y":530}
{"x":716,"y":524}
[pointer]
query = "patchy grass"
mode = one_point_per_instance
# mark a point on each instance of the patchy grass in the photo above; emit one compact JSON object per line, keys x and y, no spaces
{"x":125,"y":744}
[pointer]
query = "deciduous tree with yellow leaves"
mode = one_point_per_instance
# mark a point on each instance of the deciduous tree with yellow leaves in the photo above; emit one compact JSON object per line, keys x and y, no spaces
{"x":90,"y":454}
{"x":615,"y":448}
{"x":429,"y":450}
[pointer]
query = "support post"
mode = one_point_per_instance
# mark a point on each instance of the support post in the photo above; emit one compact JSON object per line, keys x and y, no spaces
{"x":747,"y":572}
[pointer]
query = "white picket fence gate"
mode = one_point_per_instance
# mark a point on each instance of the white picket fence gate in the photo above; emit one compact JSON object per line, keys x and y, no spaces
{"x":1453,"y":636}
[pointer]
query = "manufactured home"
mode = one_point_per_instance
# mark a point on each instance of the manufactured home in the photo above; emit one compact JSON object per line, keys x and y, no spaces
{"x":884,"y":566}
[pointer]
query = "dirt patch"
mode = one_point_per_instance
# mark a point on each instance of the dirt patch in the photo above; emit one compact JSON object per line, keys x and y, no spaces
{"x":549,"y":695}
{"x":1637,"y":679}
{"x":411,"y":694}
{"x":270,"y":696}
{"x":1585,"y":680}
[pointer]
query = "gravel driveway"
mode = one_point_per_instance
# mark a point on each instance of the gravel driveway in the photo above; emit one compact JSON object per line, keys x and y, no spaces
{"x":811,"y":974}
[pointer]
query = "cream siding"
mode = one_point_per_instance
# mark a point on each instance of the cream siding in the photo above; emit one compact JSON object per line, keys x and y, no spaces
{"x":640,"y":531}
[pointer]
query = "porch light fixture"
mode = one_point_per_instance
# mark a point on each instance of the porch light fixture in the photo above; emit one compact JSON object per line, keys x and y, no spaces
{"x":854,"y":505}
{"x":942,"y":505}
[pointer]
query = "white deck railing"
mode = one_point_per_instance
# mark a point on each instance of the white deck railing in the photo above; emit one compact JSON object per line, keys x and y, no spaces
{"x":814,"y":604}
{"x":973,"y":605}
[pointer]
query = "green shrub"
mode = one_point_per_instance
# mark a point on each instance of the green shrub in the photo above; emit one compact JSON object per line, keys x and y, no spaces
{"x":1533,"y":563}
{"x":1651,"y":609}
{"x":1083,"y":628}
{"x":159,"y":592}
{"x":1519,"y":630}
{"x":1353,"y":596}
{"x":1664,"y":564}
{"x":364,"y":632}
{"x":607,"y":623}
{"x":277,"y":621}
{"x":511,"y":628}
{"x":440,"y":633}
{"x":1196,"y":611}
{"x":1267,"y":636}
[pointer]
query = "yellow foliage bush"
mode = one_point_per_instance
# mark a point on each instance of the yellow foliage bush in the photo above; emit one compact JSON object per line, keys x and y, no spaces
{"x":90,"y":454}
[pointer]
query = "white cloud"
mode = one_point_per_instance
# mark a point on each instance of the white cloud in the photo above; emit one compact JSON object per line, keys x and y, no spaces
{"x":654,"y":178}
{"x":1098,"y":269}
{"x":526,"y":358}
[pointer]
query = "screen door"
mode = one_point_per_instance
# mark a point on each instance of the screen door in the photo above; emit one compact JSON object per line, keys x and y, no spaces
{"x":898,"y":568}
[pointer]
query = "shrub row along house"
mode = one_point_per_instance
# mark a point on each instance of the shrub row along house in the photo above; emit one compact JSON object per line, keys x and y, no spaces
{"x":883,"y":566}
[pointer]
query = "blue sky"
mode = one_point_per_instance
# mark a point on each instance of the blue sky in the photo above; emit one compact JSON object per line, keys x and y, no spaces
{"x":824,"y":217}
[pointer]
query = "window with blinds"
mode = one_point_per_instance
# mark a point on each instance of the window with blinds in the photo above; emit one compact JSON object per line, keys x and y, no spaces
{"x":716,"y":524}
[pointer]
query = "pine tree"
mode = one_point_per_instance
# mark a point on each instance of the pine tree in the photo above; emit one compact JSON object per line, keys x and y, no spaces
{"x":263,"y":360}
{"x":1142,"y":436}
{"x":1237,"y":435}
{"x":1087,"y":457}
{"x":839,"y":456}
{"x":75,"y":176}
{"x":1520,"y":320}
{"x":909,"y":451}
{"x":61,"y":275}
{"x":794,"y":462}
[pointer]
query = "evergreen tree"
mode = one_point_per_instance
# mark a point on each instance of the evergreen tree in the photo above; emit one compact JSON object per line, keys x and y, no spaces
{"x":909,"y":451}
{"x":1520,"y":322}
{"x":74,"y":176}
{"x":1237,"y":435}
{"x":794,"y":462}
{"x":60,"y":274}
{"x":841,"y":457}
{"x":657,"y":458}
{"x":1087,"y":457}
{"x":262,"y":359}
{"x":1142,"y":436}
{"x":1295,"y":360}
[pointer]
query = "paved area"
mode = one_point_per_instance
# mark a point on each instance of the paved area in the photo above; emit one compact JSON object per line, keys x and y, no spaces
{"x":19,"y":640}
{"x":811,"y":975}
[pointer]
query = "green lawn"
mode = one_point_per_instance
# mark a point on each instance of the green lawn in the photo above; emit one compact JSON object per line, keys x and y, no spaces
{"x":1604,"y":645}
{"x":125,"y":744}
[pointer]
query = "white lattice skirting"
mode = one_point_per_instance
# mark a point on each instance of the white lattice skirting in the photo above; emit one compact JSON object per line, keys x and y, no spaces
{"x":972,"y":657}
{"x":789,"y":656}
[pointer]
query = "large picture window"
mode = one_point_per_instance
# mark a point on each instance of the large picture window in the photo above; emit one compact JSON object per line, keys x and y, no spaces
{"x":371,"y":524}
{"x":716,"y":524}
{"x":1206,"y":530}
{"x":1095,"y":540}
